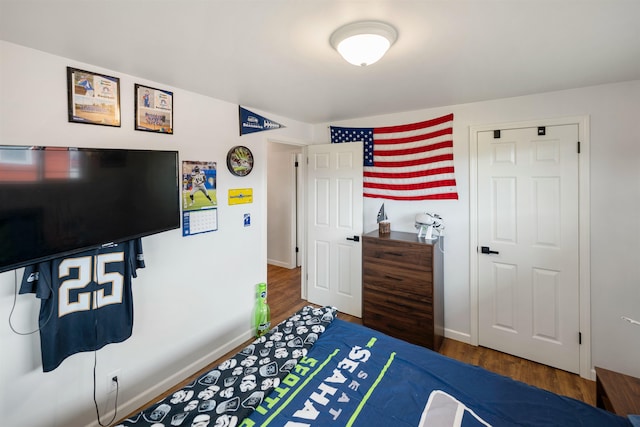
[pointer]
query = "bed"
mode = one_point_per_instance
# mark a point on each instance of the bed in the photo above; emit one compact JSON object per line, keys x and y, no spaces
{"x":316,"y":370}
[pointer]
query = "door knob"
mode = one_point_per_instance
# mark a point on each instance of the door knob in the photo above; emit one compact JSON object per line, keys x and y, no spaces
{"x":354,"y":238}
{"x":487,"y":250}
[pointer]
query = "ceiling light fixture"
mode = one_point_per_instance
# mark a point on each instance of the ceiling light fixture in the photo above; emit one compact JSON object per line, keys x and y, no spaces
{"x":363,"y":43}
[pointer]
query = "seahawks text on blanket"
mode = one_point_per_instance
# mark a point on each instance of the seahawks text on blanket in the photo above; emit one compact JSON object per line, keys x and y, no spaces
{"x":227,"y":394}
{"x":355,"y":376}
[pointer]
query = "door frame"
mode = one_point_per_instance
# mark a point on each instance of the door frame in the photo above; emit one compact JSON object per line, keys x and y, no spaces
{"x":584,"y":277}
{"x":299,"y":229}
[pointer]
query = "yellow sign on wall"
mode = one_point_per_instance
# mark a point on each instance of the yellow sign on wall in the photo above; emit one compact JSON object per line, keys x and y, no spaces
{"x":238,"y":196}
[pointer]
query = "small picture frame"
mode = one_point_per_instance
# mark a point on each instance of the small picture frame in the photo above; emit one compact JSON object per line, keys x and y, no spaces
{"x":154,"y":109}
{"x":93,"y":98}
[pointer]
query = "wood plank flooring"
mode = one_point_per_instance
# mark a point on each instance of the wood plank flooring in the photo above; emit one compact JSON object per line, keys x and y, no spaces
{"x":532,"y":373}
{"x":284,"y":299}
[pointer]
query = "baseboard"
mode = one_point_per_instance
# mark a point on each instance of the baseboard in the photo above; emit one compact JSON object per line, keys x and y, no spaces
{"x":174,"y":378}
{"x":458,"y":336}
{"x":280,"y":263}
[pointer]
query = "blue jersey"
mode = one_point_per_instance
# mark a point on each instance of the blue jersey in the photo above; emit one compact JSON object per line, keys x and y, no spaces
{"x":86,"y":300}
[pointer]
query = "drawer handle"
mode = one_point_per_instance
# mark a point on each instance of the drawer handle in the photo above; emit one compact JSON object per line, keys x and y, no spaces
{"x":399,"y":305}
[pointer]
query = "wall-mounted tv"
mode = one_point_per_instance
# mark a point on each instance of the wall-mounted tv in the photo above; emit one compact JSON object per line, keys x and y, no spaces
{"x":55,"y":201}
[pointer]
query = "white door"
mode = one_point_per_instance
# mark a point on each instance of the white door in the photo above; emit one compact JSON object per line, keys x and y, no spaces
{"x":334,"y":226}
{"x":528,"y":282}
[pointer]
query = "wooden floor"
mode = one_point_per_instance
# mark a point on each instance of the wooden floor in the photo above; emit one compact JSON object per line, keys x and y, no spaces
{"x":532,"y":373}
{"x":284,"y":299}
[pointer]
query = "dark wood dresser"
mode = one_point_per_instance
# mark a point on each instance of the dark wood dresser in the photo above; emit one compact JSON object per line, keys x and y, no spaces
{"x":617,"y":393}
{"x":402,"y":287}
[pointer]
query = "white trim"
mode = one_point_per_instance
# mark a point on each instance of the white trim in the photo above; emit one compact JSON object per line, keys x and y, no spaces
{"x":288,"y":141}
{"x":586,"y":370}
{"x":457,"y":335}
{"x":584,"y":133}
{"x":279,"y":263}
{"x":302,"y":203}
{"x":293,"y":196}
{"x":300,"y":211}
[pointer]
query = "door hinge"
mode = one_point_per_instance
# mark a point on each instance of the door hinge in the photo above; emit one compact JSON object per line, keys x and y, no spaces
{"x":296,"y":164}
{"x":578,"y":147}
{"x":579,"y":338}
{"x":297,"y":250}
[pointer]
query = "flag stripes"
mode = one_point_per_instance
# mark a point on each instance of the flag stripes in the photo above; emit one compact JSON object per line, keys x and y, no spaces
{"x":406,"y":162}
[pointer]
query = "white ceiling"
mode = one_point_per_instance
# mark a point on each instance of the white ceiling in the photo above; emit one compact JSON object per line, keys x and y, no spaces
{"x":274,"y":55}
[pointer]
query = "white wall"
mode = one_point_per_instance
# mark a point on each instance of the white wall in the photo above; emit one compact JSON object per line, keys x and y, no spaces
{"x":194,"y":299}
{"x":615,"y":205}
{"x":193,"y":302}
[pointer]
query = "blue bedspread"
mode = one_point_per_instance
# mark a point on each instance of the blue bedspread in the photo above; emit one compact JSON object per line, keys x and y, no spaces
{"x":356,"y":376}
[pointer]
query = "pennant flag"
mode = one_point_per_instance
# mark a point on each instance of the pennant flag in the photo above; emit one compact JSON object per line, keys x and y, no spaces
{"x":251,"y":122}
{"x":406,"y":162}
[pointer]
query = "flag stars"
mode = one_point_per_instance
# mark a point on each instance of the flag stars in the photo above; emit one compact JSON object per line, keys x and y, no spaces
{"x":339,"y":135}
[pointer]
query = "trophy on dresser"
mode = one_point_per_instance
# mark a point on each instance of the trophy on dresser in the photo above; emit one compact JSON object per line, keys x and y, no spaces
{"x":384,"y":226}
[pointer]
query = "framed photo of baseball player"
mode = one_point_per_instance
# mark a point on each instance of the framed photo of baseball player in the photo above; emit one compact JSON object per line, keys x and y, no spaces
{"x":93,"y":98}
{"x":199,"y":197}
{"x":154,"y":109}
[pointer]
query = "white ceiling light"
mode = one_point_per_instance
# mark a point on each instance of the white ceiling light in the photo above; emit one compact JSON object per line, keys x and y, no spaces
{"x":363,"y":43}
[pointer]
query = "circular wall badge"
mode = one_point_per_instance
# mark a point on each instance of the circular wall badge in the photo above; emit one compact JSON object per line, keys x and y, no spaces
{"x":240,"y":160}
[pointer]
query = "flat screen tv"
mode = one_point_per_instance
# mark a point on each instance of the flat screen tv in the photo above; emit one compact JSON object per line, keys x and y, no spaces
{"x":56,"y":201}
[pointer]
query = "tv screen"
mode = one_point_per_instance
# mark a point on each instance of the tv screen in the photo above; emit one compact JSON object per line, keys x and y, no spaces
{"x":55,"y":201}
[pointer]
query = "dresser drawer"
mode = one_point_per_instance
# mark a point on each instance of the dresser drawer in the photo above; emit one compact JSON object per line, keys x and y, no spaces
{"x":400,"y":281}
{"x":397,"y":305}
{"x":390,"y":252}
{"x":412,"y":328}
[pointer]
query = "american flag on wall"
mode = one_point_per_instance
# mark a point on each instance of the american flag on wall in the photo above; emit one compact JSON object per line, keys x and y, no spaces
{"x":406,"y":162}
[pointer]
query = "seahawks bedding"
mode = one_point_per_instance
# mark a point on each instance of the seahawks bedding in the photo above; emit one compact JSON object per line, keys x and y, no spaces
{"x":343,"y":374}
{"x":230,"y":392}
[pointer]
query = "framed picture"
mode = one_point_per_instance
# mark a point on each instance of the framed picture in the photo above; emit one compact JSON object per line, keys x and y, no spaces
{"x":154,"y":109}
{"x":93,"y":98}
